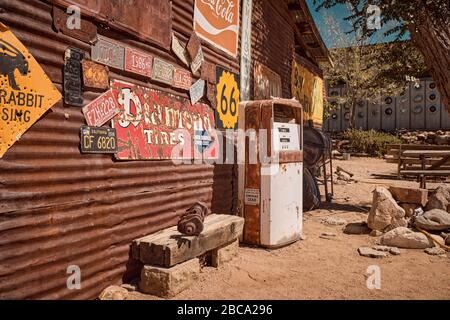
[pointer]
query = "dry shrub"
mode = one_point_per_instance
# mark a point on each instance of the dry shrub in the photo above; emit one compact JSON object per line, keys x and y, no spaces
{"x":371,"y":142}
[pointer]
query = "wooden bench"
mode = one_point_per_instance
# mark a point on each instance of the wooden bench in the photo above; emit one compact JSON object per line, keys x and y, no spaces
{"x":437,"y":168}
{"x":169,"y":247}
{"x":396,"y":155}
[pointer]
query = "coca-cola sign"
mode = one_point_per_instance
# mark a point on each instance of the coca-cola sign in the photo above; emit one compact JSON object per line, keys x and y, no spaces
{"x":221,"y":9}
{"x":217,"y":21}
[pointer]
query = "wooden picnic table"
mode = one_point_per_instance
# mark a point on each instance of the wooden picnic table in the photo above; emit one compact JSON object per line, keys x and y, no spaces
{"x":441,"y":158}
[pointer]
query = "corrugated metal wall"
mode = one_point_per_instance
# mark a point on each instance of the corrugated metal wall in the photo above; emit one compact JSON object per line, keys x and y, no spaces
{"x":61,"y":208}
{"x":273,"y":40}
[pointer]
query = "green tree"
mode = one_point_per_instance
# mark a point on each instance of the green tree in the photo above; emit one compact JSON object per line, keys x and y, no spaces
{"x":427,"y":21}
{"x":366,"y":70}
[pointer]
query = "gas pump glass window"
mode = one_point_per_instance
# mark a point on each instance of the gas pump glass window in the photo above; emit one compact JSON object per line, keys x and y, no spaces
{"x":287,"y":129}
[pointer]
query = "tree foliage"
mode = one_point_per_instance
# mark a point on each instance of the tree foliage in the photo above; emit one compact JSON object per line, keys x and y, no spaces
{"x":406,"y":14}
{"x":427,"y":22}
{"x":366,"y":70}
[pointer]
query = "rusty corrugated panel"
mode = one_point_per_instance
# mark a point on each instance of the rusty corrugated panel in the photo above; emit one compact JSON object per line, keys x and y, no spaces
{"x":149,"y":20}
{"x":61,"y":208}
{"x":270,"y":46}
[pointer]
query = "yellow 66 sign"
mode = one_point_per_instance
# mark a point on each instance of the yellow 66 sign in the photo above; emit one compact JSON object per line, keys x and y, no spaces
{"x":228,"y":94}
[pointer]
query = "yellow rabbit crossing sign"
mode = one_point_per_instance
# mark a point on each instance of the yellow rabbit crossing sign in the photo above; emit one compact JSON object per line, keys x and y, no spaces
{"x":26,"y":92}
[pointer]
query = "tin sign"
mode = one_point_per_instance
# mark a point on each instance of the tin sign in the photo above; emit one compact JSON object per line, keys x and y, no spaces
{"x":209,"y":72}
{"x":107,"y":52}
{"x":228,"y":95}
{"x":197,"y":62}
{"x":180,"y":50}
{"x":194,"y":45}
{"x":246,"y":49}
{"x":101,"y":110}
{"x":86,"y":32}
{"x":73,"y":82}
{"x":252,"y":197}
{"x":138,"y":62}
{"x":182,"y":79}
{"x":155,"y":125}
{"x":217,"y":21}
{"x":98,"y":140}
{"x":194,"y":48}
{"x":197,"y":91}
{"x":95,"y":76}
{"x":26,"y":92}
{"x":211,"y":94}
{"x":162,"y":71}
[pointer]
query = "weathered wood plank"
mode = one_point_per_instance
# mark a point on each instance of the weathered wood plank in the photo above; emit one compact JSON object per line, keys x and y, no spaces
{"x":410,"y":195}
{"x":168,"y":247}
{"x":426,"y":172}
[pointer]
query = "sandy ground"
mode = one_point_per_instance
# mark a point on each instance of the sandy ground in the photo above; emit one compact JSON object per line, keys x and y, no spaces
{"x":317,"y":268}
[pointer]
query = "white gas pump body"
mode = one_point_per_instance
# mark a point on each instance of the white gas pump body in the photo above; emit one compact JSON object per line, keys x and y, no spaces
{"x":271,"y":195}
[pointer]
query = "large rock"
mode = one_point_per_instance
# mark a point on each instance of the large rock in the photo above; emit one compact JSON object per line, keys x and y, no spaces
{"x":168,"y":282}
{"x":410,"y":195}
{"x":440,"y":199}
{"x":385,"y":211}
{"x":221,"y":256}
{"x":405,"y":238}
{"x":434,"y":220}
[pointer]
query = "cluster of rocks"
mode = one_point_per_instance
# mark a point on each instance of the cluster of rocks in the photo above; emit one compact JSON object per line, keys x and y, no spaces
{"x":399,"y":215}
{"x":426,"y":137}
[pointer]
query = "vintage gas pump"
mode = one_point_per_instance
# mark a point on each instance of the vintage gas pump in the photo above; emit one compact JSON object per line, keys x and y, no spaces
{"x":270,"y":181}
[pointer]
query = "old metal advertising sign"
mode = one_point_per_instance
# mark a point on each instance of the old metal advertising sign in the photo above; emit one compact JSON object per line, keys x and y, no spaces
{"x":227,"y":90}
{"x":217,"y":21}
{"x":95,"y":76}
{"x":194,"y":48}
{"x":211,"y":94}
{"x":197,"y":91}
{"x":209,"y":72}
{"x":246,"y":49}
{"x":138,"y":62}
{"x":73,"y":82}
{"x":182,"y":79}
{"x":86,"y":33}
{"x":267,"y":83}
{"x":180,"y":50}
{"x":252,"y":197}
{"x":149,"y":20}
{"x":98,"y":140}
{"x":26,"y":92}
{"x":157,"y":125}
{"x":101,"y":110}
{"x":307,"y":88}
{"x":197,"y":62}
{"x":162,"y":71}
{"x":106,"y":51}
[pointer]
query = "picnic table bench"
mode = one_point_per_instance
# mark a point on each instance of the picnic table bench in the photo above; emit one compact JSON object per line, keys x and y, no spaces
{"x":432,"y":163}
{"x":396,"y":155}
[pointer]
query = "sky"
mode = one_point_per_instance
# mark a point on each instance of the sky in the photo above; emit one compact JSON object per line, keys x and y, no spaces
{"x":339,"y":12}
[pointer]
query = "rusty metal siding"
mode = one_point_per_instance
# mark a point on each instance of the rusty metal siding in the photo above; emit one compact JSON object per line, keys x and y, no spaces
{"x":273,"y":40}
{"x":61,"y":208}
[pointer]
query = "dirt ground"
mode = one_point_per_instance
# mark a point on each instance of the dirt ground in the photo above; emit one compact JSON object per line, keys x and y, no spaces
{"x":317,"y":268}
